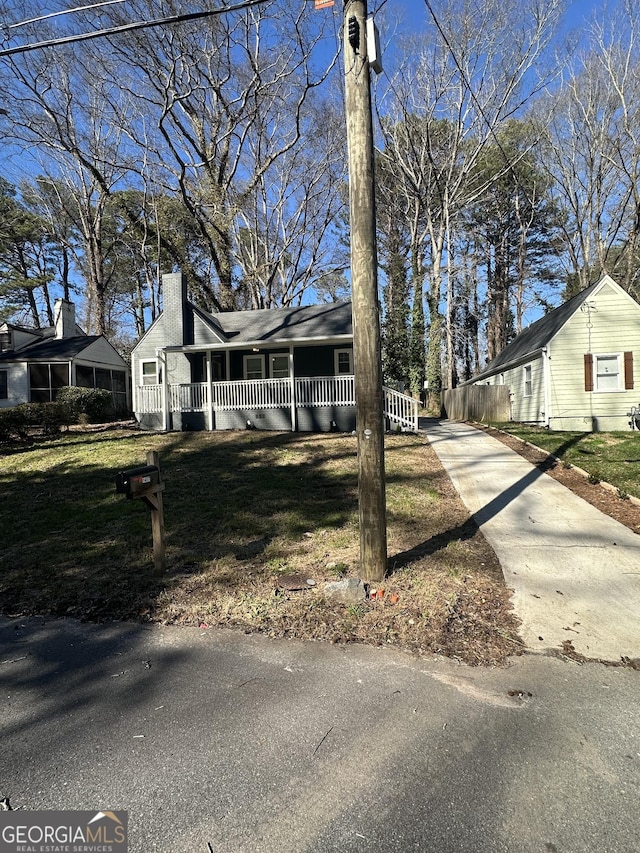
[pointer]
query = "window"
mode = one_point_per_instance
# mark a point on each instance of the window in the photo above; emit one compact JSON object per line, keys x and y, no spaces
{"x":343,"y":362}
{"x":149,"y":372}
{"x":607,"y":372}
{"x":253,"y":367}
{"x":45,"y":380}
{"x":526,"y":379}
{"x":280,"y":366}
{"x":4,"y":385}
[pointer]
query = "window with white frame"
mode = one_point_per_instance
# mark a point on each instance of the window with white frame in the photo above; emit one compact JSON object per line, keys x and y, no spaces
{"x":526,"y":381}
{"x":280,"y":365}
{"x":343,"y":362}
{"x":607,"y":372}
{"x":253,"y":366}
{"x":149,"y":371}
{"x":4,"y":385}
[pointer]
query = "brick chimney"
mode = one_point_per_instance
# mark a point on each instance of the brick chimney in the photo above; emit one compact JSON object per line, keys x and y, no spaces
{"x":177,"y":319}
{"x":64,"y":319}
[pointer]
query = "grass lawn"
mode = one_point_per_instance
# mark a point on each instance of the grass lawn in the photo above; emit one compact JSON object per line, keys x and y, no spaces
{"x":241,"y":510}
{"x":612,"y":457}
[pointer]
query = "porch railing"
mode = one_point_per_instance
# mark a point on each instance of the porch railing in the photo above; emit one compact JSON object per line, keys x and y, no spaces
{"x":251,"y":394}
{"x":401,"y":409}
{"x":273,"y":394}
{"x":148,"y":399}
{"x":325,"y":391}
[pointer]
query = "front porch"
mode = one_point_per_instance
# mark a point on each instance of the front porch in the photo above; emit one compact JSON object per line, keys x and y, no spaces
{"x":305,"y":404}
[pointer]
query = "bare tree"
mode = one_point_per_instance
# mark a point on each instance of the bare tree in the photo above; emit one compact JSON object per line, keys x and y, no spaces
{"x":283,"y":227}
{"x":221,"y":104}
{"x":448,"y":103}
{"x":592,"y":149}
{"x":58,"y":107}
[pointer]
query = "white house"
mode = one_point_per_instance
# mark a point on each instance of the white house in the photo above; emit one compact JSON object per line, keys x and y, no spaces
{"x":36,"y":363}
{"x":577,"y":368}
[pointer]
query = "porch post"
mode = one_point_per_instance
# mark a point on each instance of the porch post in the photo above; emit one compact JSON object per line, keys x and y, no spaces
{"x":210,"y":389}
{"x":294,"y":402}
{"x":164,"y":384}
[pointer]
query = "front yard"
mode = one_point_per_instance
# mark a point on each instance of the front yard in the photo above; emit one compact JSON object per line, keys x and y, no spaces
{"x":242,"y":510}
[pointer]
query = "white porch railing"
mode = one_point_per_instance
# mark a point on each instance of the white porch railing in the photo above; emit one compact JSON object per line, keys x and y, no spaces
{"x":251,"y":394}
{"x":148,"y":399}
{"x":401,"y":409}
{"x":189,"y":398}
{"x":272,"y":394}
{"x":325,"y":391}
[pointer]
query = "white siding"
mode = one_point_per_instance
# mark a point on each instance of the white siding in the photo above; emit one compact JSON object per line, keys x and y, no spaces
{"x":610,"y":325}
{"x":17,"y":384}
{"x":528,"y":408}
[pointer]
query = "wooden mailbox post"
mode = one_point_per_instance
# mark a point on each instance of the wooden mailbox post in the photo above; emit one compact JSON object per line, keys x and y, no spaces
{"x":146,"y":483}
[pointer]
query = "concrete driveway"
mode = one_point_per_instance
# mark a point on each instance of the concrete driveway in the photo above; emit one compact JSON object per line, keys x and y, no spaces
{"x":575,"y":572}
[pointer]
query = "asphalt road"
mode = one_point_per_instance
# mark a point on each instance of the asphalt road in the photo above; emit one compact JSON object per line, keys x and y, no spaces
{"x":218,"y":741}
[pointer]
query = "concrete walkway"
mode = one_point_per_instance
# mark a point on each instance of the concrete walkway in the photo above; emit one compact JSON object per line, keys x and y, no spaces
{"x":575,"y":572}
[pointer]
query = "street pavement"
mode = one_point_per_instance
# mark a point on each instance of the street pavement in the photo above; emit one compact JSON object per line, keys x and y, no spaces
{"x":214,"y":740}
{"x":575,"y":572}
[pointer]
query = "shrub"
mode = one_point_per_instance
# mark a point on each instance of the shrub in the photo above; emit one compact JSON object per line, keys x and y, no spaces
{"x":13,"y":424}
{"x":85,"y":404}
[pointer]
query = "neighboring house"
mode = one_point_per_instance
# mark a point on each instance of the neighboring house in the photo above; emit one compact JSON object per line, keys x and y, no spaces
{"x":577,"y":368}
{"x":279,"y":369}
{"x":36,"y":363}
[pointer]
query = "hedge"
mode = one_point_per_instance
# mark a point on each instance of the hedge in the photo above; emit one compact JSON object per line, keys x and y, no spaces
{"x":73,"y":405}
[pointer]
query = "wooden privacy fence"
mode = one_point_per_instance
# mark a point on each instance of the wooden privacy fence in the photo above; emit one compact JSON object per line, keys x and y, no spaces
{"x":477,"y":403}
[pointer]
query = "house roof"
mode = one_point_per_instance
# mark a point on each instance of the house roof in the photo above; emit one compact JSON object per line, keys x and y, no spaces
{"x":539,"y":334}
{"x":286,"y":324}
{"x":277,"y":325}
{"x":51,"y":349}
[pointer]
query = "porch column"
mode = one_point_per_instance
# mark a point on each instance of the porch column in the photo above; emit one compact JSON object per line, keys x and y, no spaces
{"x":210,"y":390}
{"x":161,"y":356}
{"x":294,"y":402}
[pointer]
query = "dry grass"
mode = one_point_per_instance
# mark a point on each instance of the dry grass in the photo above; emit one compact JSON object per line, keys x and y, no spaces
{"x":241,"y":510}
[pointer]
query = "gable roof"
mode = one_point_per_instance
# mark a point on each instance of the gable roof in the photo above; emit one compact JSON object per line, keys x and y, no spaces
{"x":273,"y":325}
{"x":539,"y":334}
{"x":51,"y":349}
{"x":287,"y":324}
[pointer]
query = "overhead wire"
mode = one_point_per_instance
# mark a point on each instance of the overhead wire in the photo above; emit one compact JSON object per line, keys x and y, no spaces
{"x":136,"y":25}
{"x":50,"y":15}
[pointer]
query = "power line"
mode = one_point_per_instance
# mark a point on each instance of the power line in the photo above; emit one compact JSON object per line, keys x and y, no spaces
{"x":64,"y":12}
{"x":137,"y":25}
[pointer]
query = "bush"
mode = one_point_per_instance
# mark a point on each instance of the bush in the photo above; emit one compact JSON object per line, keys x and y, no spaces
{"x":92,"y":405}
{"x":13,"y":424}
{"x":73,"y":405}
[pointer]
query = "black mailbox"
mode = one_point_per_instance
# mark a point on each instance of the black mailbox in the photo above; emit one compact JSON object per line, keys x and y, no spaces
{"x":137,"y":481}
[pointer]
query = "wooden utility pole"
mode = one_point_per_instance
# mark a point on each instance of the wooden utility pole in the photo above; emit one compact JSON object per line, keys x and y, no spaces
{"x":364,"y":288}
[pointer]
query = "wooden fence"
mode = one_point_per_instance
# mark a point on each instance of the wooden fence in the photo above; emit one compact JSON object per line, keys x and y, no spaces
{"x":481,"y":403}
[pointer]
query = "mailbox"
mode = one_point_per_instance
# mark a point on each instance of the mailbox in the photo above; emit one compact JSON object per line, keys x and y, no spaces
{"x":137,"y":481}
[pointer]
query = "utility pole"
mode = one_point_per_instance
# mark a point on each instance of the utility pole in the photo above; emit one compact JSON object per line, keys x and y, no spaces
{"x":364,"y":287}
